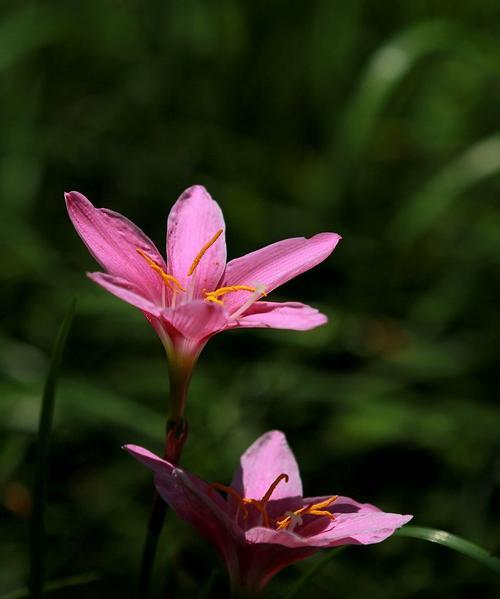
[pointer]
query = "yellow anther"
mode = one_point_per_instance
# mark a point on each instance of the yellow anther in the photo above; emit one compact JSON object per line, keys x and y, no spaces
{"x":169,"y":280}
{"x":224,"y":290}
{"x":325,"y":503}
{"x":213,"y":296}
{"x":322,"y":513}
{"x":315,"y":509}
{"x":202,"y":252}
{"x":214,"y":300}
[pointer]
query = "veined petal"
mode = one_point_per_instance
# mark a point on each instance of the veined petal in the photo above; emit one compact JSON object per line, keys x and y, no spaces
{"x":262,"y":463}
{"x":197,"y":319}
{"x":192,"y":500}
{"x":276,"y":315}
{"x":276,"y":264}
{"x":193,"y":222}
{"x":113,"y":241}
{"x":362,"y":528}
{"x":126,"y":291}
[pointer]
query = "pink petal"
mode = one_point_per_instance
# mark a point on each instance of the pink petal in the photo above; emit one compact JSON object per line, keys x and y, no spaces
{"x":289,"y":315}
{"x":126,"y":291}
{"x":276,"y":264}
{"x":196,"y":320}
{"x":113,"y":241}
{"x":353,"y":515}
{"x":192,"y":500}
{"x":262,"y":463}
{"x":193,"y":221}
{"x":364,"y":527}
{"x":348,"y":529}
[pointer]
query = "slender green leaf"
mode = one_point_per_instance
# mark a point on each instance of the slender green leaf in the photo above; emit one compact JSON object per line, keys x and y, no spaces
{"x":42,"y":461}
{"x":387,"y":68}
{"x":439,"y":195}
{"x":55,"y":585}
{"x":452,"y":542}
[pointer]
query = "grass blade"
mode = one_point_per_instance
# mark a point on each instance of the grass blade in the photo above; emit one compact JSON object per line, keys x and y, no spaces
{"x":452,"y":542}
{"x":42,"y":459}
{"x":442,"y":191}
{"x":385,"y":71}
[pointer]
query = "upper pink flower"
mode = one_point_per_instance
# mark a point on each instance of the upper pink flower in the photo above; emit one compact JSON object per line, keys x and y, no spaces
{"x":264,"y":523}
{"x":195,"y":294}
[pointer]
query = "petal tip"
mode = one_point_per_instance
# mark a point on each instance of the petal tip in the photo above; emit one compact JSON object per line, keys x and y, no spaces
{"x":273,"y":435}
{"x":194,"y":192}
{"x":131,"y":448}
{"x":72,"y":196}
{"x":335,"y":238}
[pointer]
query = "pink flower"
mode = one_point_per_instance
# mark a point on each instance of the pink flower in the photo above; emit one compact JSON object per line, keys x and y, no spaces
{"x":196,"y":294}
{"x":262,"y":522}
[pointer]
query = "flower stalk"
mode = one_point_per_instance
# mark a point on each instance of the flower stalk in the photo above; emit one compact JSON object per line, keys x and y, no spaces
{"x":180,"y":371}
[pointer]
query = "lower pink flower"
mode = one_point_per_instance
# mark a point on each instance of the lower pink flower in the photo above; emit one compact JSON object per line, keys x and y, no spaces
{"x":261,"y":522}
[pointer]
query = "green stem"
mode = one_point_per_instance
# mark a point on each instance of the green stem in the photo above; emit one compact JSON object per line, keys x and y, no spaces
{"x":176,"y":434}
{"x":155,"y":525}
{"x":37,"y":531}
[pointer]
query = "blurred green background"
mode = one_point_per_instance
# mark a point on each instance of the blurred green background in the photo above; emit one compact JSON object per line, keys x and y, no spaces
{"x":377,"y":120}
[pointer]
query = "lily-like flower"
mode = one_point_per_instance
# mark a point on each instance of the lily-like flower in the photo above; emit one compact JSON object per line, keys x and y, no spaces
{"x":195,"y":294}
{"x":261,"y":522}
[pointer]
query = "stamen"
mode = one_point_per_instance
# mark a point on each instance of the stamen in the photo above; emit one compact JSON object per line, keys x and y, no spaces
{"x":260,"y":504}
{"x":224,"y":290}
{"x":233,"y":493}
{"x":202,"y":252}
{"x":214,"y":300}
{"x":325,"y":503}
{"x":291,"y":519}
{"x":169,"y":280}
{"x":260,"y":291}
{"x":273,"y":486}
{"x":322,"y":513}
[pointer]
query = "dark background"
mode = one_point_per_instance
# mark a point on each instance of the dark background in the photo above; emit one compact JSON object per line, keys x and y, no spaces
{"x":377,"y":120}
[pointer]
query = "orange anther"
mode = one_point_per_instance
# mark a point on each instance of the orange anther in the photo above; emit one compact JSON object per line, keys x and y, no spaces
{"x":202,"y":252}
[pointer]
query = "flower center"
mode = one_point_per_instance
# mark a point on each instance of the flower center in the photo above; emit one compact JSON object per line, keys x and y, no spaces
{"x":289,"y":520}
{"x":215,"y":296}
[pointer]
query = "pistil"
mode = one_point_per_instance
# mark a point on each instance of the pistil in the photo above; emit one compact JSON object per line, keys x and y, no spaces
{"x":260,"y":291}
